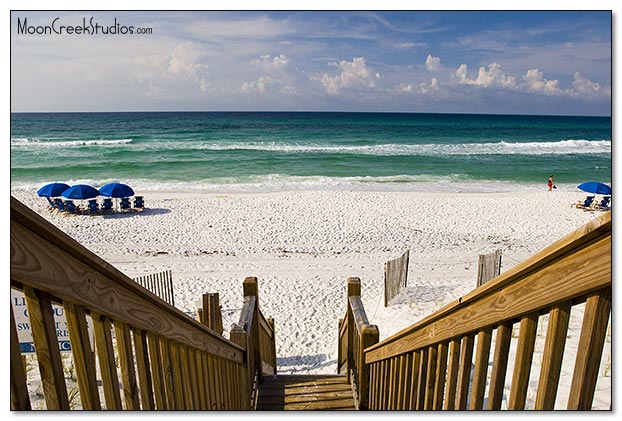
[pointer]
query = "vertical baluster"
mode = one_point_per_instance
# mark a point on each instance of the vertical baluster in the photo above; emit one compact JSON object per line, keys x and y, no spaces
{"x":522,"y":364}
{"x":591,"y":342}
{"x":452,"y":374}
{"x":464,"y":372}
{"x":20,"y":400}
{"x":106,"y":356}
{"x":499,"y":366}
{"x":43,"y":327}
{"x":441,"y":373}
{"x":482,"y":355}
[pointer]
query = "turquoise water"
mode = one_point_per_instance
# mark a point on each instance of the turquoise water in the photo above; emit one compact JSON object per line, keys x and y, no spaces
{"x":259,"y":151}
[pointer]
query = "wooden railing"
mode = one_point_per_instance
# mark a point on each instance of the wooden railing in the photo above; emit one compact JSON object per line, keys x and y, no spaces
{"x":256,"y":334}
{"x":355,"y":334}
{"x":167,"y":360}
{"x":429,"y":366}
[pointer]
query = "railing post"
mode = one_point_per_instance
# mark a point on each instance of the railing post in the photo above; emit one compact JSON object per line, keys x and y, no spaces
{"x":270,"y":321}
{"x":369,"y":337}
{"x":354,"y":289}
{"x":251,"y":288}
{"x":238,"y":336}
{"x":339,"y":356}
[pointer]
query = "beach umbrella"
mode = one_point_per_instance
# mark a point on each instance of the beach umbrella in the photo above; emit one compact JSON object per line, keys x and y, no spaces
{"x":116,"y":190}
{"x":52,"y":189}
{"x":595,"y":187}
{"x":81,"y":191}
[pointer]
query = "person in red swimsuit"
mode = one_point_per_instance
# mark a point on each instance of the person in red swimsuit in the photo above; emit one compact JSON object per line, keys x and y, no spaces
{"x":551,"y":183}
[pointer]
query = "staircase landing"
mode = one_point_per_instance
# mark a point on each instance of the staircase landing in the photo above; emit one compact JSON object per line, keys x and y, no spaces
{"x":305,"y":392}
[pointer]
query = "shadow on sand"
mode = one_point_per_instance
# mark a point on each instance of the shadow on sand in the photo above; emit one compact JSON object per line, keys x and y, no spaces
{"x":146,"y":212}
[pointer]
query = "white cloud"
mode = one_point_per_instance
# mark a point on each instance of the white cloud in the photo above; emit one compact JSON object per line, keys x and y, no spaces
{"x":428,"y":88}
{"x":491,"y":76}
{"x":260,"y":85}
{"x":271,"y":64}
{"x":585,"y":88}
{"x":432,"y":63}
{"x":186,"y":62}
{"x":535,"y":82}
{"x":354,"y":74}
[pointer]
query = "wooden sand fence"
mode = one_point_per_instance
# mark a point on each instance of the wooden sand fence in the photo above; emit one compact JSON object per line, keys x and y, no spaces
{"x":166,"y":359}
{"x":444,"y":362}
{"x":395,"y":276}
{"x":161,"y":284}
{"x":488,"y":267}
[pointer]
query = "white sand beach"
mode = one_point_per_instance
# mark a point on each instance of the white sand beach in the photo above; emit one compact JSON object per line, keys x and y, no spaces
{"x":302,"y":246}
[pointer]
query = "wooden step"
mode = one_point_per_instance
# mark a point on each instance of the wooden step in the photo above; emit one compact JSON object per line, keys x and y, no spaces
{"x":286,"y":392}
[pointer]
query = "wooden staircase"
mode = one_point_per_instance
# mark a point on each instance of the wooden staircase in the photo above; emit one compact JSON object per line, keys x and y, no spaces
{"x":304,"y":392}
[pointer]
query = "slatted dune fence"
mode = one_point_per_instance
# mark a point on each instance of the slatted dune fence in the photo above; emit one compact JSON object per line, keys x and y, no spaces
{"x":161,"y":284}
{"x":466,"y":356}
{"x":166,"y":359}
{"x":395,"y":276}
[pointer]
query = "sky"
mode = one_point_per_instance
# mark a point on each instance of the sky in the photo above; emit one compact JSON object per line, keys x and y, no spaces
{"x":508,"y":62}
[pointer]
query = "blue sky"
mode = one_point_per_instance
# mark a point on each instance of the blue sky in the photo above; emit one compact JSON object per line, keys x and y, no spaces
{"x":405,"y":61}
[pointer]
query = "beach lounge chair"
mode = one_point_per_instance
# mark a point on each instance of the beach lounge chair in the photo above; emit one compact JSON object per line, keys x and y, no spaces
{"x":70,"y":207}
{"x":139,"y":204}
{"x":107,"y":205}
{"x":51,"y":204}
{"x":586,"y":204}
{"x":93,"y":207}
{"x":125,"y":204}
{"x":604,"y":204}
{"x":60,"y":205}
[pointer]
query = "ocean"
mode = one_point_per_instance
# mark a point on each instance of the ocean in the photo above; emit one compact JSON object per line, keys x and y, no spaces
{"x":274,"y":151}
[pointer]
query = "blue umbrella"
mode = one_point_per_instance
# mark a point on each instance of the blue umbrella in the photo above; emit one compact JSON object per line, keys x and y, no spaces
{"x":595,"y":187}
{"x":81,"y":191}
{"x":116,"y":190}
{"x":52,"y":189}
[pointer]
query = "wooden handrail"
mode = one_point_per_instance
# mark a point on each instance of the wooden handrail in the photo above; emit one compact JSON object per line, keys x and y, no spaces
{"x":354,"y":335}
{"x":180,"y":363}
{"x":427,"y":365}
{"x":256,"y":334}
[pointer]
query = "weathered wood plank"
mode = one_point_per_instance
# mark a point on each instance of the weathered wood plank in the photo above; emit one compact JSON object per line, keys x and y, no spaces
{"x":431,"y":378}
{"x":464,"y":372}
{"x":167,"y":371}
{"x":186,"y":377}
{"x":489,"y":266}
{"x":177,"y":377}
{"x":20,"y":400}
{"x":414,"y":383}
{"x":482,"y":354}
{"x":499,"y":366}
{"x":143,"y":369}
{"x":452,"y":374}
{"x":157,"y":372}
{"x":593,"y":332}
{"x":441,"y":370}
{"x":423,"y":378}
{"x":107,"y":366}
{"x":522,"y":362}
{"x":553,"y":354}
{"x":126,"y":363}
{"x":395,"y":276}
{"x":43,"y":328}
{"x":82,"y":356}
{"x":299,"y":392}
